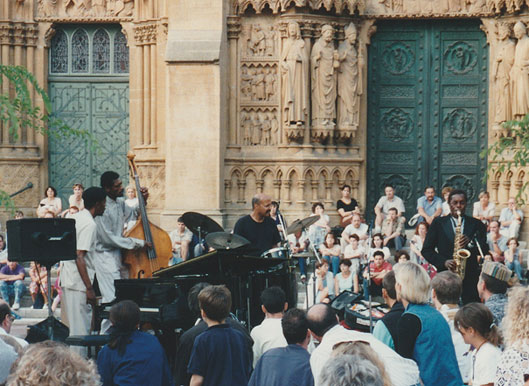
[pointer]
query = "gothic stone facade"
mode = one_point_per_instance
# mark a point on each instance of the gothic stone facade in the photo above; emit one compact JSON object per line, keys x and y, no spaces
{"x":230,"y":98}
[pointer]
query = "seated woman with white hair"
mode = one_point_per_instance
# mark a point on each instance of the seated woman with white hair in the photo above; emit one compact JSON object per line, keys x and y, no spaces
{"x":423,"y":333}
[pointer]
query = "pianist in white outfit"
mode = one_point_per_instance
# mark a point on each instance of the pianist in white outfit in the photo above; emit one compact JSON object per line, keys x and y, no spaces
{"x":77,"y":275}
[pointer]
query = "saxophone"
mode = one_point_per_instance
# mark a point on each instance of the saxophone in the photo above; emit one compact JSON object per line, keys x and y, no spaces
{"x":460,"y":255}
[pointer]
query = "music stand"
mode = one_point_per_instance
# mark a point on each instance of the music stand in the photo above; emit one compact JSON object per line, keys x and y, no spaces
{"x":45,"y":241}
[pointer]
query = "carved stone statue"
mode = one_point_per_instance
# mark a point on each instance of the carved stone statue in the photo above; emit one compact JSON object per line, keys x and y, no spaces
{"x":256,"y":130}
{"x":47,"y":7}
{"x":266,"y":129}
{"x":350,"y":85}
{"x":294,"y":78}
{"x":99,"y":7}
{"x":258,"y":41}
{"x":259,"y":82}
{"x":271,"y":42}
{"x":270,"y":82}
{"x":274,"y":127}
{"x":246,"y":126}
{"x":324,"y":61}
{"x":246,"y":83}
{"x":500,"y":71}
{"x":520,"y":73}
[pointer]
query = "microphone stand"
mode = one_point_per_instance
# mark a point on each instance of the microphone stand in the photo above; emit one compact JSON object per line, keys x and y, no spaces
{"x":368,"y":250}
{"x":315,"y":251}
{"x":28,"y":186}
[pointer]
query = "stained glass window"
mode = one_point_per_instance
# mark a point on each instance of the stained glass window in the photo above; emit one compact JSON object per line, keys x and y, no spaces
{"x":59,"y":53}
{"x":101,"y":52}
{"x":80,"y":51}
{"x":121,"y":54}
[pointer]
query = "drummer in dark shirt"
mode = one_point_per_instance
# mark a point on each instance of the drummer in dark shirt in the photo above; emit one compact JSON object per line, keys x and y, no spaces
{"x":258,"y":227}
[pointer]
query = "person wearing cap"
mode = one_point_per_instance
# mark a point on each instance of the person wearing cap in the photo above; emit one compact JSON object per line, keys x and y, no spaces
{"x":492,"y":288}
{"x":6,"y":321}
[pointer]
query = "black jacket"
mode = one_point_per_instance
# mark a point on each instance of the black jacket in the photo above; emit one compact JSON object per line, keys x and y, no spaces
{"x":439,"y":247}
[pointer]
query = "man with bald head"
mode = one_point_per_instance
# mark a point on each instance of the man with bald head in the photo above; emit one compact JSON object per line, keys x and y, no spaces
{"x":258,"y":227}
{"x":324,"y":327}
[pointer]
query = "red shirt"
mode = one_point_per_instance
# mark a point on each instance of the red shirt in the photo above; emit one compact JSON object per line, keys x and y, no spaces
{"x":384,"y":267}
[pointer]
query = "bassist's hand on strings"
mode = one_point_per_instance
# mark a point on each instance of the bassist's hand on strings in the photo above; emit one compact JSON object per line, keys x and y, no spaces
{"x":148,"y":244}
{"x":144,"y":193}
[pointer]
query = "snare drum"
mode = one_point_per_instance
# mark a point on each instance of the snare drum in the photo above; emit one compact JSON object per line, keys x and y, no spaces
{"x":275,"y":253}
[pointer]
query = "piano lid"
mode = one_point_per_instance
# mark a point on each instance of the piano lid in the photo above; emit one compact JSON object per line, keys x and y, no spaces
{"x":220,"y":262}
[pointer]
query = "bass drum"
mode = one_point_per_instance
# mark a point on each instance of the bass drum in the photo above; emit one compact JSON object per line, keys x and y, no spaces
{"x":275,"y":253}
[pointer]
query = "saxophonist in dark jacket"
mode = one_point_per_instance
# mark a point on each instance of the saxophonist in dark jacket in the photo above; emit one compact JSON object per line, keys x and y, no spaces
{"x":438,"y":247}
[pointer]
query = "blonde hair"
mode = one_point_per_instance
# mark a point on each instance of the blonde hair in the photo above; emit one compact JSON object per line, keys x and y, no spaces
{"x":52,"y":364}
{"x":414,"y":282}
{"x":363,"y":350}
{"x":515,"y":324}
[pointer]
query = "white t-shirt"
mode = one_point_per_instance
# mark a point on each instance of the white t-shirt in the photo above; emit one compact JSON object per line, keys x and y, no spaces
{"x":86,"y":231}
{"x":360,"y":231}
{"x":484,"y":364}
{"x":477,"y":210}
{"x":176,"y":236}
{"x":267,"y":335}
{"x":384,"y":204}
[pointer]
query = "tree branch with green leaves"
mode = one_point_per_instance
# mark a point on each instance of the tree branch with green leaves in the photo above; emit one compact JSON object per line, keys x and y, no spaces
{"x":19,"y":110}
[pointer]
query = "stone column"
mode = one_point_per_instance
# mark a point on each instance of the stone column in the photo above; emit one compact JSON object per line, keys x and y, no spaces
{"x":197,"y":66}
{"x":234,"y":30}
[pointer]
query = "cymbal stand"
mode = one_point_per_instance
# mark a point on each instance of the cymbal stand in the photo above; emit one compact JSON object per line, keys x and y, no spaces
{"x":283,"y":233}
{"x":316,"y":254}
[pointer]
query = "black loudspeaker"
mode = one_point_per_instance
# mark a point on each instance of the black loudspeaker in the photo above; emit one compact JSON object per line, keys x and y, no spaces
{"x":44,"y":240}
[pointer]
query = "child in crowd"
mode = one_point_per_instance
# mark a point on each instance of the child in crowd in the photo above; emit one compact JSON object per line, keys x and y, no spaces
{"x":513,"y":259}
{"x":344,"y":280}
{"x":475,"y":323}
{"x":324,"y":283}
{"x":220,"y":355}
{"x":39,"y":283}
{"x":355,"y":253}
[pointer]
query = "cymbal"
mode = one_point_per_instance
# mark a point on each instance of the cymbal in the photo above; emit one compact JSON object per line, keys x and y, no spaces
{"x":301,"y":224}
{"x":193,"y":221}
{"x":225,"y":240}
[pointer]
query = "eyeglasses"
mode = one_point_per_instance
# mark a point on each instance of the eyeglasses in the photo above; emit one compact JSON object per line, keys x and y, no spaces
{"x":11,"y":318}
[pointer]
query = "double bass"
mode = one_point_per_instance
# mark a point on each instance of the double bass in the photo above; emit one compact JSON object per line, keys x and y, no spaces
{"x":144,"y":261}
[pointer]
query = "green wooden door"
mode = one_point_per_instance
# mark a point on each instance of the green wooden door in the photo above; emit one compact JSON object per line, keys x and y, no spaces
{"x":88,"y":88}
{"x":427,"y":110}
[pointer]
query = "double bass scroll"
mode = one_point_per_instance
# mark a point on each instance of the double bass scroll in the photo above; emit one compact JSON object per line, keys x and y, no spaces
{"x":143,"y":262}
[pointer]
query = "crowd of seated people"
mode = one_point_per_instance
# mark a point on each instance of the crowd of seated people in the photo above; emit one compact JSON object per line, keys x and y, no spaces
{"x":353,"y":241}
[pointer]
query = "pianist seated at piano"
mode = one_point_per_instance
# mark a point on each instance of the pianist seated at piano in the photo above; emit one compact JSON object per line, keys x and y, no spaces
{"x":132,"y":357}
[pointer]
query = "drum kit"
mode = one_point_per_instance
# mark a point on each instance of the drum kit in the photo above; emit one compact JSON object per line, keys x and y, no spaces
{"x":205,"y":228}
{"x":208,"y":230}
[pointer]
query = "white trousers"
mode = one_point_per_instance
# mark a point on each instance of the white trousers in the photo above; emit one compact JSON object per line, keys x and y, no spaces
{"x":79,"y":315}
{"x":107,"y":265}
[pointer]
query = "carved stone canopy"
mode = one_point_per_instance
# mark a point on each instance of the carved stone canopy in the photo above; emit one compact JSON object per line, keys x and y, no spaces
{"x":277,"y":6}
